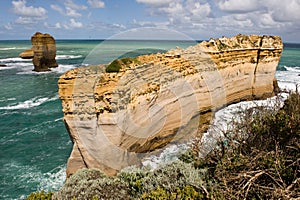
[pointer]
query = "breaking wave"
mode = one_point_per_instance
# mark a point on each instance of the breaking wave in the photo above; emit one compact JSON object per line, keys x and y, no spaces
{"x":34,"y":102}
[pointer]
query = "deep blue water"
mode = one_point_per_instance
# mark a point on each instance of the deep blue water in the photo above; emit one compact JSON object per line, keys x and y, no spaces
{"x":34,"y":142}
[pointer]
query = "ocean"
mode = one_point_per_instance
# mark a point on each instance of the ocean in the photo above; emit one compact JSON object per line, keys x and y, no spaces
{"x":34,"y":142}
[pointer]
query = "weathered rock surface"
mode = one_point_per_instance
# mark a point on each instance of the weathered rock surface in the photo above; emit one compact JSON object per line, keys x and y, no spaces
{"x":115,"y":119}
{"x":27,"y":54}
{"x":42,"y":53}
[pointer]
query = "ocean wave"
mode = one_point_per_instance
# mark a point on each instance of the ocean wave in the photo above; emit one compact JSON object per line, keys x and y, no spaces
{"x":63,"y":57}
{"x":11,"y":48}
{"x":28,"y":175}
{"x":63,"y":68}
{"x":8,"y":99}
{"x":34,"y":102}
{"x":168,"y":155}
{"x":292,"y":69}
{"x":60,"y":69}
{"x":15,"y":59}
{"x":288,"y":68}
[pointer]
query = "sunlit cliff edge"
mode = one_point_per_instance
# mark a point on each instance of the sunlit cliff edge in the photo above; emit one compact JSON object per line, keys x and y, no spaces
{"x":116,"y":117}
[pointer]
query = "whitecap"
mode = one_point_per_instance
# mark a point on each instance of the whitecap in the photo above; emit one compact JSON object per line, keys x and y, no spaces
{"x":15,"y":59}
{"x":26,"y":174}
{"x":34,"y":102}
{"x":62,"y":57}
{"x":60,"y":69}
{"x":63,"y":68}
{"x":293,"y":69}
{"x":168,"y":155}
{"x":8,"y":99}
{"x":11,"y":48}
{"x":53,"y":180}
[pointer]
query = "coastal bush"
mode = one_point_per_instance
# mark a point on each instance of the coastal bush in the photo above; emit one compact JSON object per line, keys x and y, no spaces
{"x":116,"y":65}
{"x":40,"y":196}
{"x":92,"y":184}
{"x":260,"y":158}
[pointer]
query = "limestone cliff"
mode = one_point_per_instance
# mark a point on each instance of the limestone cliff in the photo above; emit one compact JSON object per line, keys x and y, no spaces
{"x":42,"y":53}
{"x":114,"y":119}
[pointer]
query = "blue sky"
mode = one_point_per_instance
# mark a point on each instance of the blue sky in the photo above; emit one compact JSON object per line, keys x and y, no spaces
{"x":101,"y":19}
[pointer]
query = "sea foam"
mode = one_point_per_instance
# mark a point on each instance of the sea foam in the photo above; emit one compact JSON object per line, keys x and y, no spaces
{"x":29,"y":103}
{"x":61,"y":57}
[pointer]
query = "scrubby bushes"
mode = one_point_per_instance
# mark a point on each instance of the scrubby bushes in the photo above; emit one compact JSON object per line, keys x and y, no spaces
{"x":116,"y":65}
{"x":260,"y":158}
{"x":40,"y":196}
{"x":257,"y":159}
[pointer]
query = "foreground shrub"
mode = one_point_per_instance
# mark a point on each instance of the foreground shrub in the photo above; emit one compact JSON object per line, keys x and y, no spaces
{"x":91,"y":183}
{"x":260,"y":158}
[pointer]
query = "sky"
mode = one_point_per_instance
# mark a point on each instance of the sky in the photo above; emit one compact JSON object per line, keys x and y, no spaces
{"x":102,"y":19}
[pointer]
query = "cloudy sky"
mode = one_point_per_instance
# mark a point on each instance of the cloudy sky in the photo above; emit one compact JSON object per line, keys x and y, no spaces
{"x":101,"y":19}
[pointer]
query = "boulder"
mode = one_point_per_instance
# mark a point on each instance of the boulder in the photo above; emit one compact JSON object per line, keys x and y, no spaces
{"x":116,"y":118}
{"x":27,"y":54}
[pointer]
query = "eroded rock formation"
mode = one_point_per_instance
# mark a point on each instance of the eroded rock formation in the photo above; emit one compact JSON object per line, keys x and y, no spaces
{"x":42,"y":53}
{"x":115,"y":119}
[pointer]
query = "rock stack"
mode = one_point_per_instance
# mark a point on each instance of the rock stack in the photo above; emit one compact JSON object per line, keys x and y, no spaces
{"x":42,"y":53}
{"x":116,"y":117}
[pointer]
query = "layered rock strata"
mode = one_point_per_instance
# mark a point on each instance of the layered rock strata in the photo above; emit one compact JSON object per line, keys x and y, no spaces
{"x":116,"y":119}
{"x":42,"y":53}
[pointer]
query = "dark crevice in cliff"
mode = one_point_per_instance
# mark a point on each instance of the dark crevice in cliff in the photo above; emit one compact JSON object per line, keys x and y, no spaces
{"x":82,"y":157}
{"x":257,"y":62}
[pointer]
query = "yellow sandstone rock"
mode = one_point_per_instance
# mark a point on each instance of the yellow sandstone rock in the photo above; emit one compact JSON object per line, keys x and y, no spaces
{"x":115,"y":119}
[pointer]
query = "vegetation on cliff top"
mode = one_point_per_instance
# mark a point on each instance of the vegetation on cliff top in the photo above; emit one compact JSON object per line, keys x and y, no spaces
{"x":116,"y":65}
{"x":257,"y":159}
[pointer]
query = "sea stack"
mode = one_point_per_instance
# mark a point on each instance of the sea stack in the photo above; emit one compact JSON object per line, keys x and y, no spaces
{"x":42,"y":53}
{"x":116,"y":114}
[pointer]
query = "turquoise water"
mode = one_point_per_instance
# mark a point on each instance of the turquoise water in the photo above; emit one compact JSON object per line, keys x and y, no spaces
{"x":34,"y":142}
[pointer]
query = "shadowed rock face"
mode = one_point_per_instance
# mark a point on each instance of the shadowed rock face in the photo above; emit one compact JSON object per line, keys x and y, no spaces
{"x":42,"y":53}
{"x":116,"y":119}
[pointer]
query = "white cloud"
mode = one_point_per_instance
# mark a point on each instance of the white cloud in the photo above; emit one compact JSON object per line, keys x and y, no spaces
{"x":8,"y":26}
{"x":20,"y":8}
{"x":238,"y":6}
{"x":72,"y":13}
{"x":154,"y":2}
{"x":25,"y":20}
{"x":57,"y":8}
{"x":96,"y":3}
{"x":282,"y":11}
{"x":57,"y":25}
{"x":70,"y":9}
{"x":73,"y":24}
{"x":74,"y":6}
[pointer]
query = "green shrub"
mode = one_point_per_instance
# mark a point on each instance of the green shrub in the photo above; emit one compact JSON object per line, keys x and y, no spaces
{"x":116,"y":65}
{"x":187,"y":192}
{"x":261,"y":157}
{"x":91,"y":183}
{"x":40,"y":196}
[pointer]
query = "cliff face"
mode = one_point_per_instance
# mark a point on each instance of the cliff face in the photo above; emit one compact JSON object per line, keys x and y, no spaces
{"x":42,"y":53}
{"x":115,"y":119}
